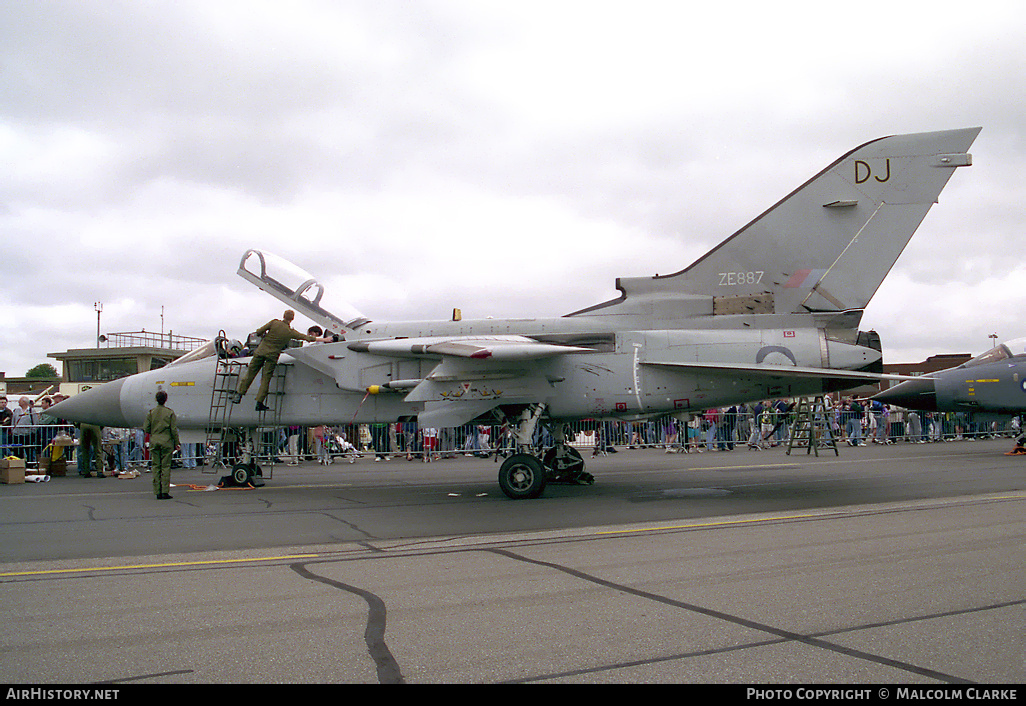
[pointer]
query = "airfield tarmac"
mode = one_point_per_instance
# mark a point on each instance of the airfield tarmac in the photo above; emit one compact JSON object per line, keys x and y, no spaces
{"x":896,"y":564}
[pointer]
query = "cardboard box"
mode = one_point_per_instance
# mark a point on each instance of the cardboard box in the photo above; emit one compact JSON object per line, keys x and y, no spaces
{"x":53,"y":468}
{"x":12,"y":470}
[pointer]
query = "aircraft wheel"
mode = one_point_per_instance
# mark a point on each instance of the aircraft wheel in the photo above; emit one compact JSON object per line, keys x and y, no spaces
{"x":522,"y":476}
{"x":241,"y":473}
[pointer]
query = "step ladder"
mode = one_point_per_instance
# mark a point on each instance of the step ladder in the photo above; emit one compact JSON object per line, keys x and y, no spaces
{"x":812,"y":427}
{"x":230,"y":446}
{"x":220,"y":435}
{"x":264,"y":448}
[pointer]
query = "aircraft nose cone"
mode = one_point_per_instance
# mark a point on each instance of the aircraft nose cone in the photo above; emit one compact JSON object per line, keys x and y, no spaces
{"x":100,"y":405}
{"x":918,"y":394}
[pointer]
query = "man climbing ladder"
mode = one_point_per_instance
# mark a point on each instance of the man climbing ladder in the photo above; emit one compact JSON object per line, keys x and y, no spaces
{"x":276,"y":333}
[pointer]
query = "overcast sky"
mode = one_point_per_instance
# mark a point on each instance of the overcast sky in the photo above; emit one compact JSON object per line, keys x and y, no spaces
{"x":510,"y":159}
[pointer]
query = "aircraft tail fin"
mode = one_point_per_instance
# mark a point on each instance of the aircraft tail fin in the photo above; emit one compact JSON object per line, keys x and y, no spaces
{"x":827,"y":246}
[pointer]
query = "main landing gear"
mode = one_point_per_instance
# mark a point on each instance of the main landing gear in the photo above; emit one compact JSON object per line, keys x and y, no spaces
{"x":525,"y":475}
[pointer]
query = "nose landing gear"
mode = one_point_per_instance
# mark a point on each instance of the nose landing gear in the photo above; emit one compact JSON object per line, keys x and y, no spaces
{"x":246,"y":474}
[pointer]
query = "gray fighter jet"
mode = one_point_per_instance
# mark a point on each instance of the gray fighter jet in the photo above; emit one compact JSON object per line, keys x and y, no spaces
{"x":773,"y":311}
{"x":992,"y":384}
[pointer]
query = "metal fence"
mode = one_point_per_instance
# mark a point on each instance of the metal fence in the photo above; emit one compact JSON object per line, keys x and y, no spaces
{"x":37,"y":444}
{"x":50,"y":448}
{"x":151,"y":339}
{"x":42,"y":446}
{"x":725,"y":430}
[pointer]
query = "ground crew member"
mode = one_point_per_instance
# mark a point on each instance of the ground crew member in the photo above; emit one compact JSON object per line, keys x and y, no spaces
{"x":90,"y":445}
{"x":162,"y":426}
{"x":276,"y":336}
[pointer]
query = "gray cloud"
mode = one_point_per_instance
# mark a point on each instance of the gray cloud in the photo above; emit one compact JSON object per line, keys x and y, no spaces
{"x":427,"y":155}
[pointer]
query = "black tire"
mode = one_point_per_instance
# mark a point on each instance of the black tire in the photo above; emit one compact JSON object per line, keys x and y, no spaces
{"x":521,"y":477}
{"x":241,"y":473}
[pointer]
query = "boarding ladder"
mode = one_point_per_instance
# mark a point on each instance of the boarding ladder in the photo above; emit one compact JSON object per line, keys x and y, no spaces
{"x":230,"y":446}
{"x":811,"y":427}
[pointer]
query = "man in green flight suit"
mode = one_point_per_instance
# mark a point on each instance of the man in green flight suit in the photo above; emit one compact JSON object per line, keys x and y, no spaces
{"x":162,"y":426}
{"x":276,"y":336}
{"x":90,"y":446}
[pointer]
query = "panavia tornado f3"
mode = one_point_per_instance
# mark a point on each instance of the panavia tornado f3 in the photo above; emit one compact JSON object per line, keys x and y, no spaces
{"x":772,"y":311}
{"x":993,"y":382}
{"x":991,"y":385}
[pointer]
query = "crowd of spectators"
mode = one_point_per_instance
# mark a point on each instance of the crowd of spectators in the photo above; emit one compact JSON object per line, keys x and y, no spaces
{"x":28,"y":431}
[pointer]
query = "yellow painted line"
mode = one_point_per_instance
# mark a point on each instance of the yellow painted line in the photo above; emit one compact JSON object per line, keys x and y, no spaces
{"x":783,"y":466}
{"x":776,"y":518}
{"x":725,"y":523}
{"x":158,"y":566}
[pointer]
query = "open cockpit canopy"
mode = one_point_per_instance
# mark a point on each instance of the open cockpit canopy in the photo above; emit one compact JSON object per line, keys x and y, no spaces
{"x":299,"y":289}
